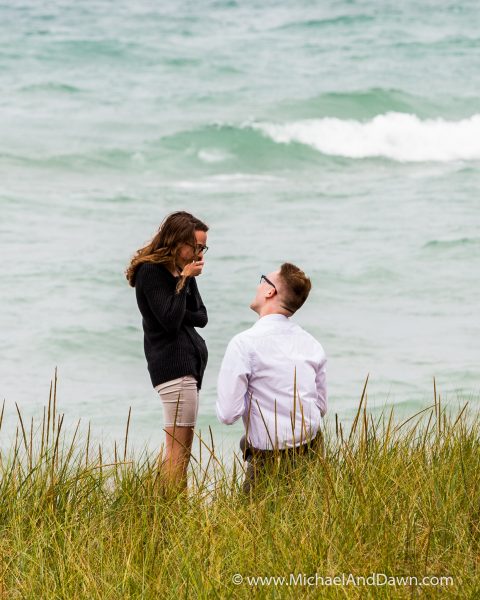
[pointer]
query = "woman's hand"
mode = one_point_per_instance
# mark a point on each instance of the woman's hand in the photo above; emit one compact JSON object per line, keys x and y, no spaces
{"x":193,"y":269}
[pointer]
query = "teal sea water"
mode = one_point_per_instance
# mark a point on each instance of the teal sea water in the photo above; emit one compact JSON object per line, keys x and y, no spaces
{"x":343,"y":136}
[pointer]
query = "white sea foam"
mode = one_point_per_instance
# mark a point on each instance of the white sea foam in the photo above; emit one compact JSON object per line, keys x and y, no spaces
{"x":398,"y":136}
{"x":213,"y":155}
{"x":237,"y":181}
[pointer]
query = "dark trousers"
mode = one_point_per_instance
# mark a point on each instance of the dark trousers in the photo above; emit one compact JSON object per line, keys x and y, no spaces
{"x":258,"y":460}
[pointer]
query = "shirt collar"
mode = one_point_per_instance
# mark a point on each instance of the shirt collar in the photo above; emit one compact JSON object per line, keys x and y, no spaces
{"x":273,"y":318}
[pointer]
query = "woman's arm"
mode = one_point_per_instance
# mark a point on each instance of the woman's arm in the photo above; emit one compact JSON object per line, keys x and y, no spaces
{"x":167,"y":306}
{"x":196,"y":317}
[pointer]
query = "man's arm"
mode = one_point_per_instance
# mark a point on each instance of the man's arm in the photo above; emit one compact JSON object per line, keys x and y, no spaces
{"x":321,"y":383}
{"x":233,"y":382}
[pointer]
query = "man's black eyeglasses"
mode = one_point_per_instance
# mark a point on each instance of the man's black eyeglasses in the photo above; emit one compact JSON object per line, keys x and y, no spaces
{"x":264,"y":278}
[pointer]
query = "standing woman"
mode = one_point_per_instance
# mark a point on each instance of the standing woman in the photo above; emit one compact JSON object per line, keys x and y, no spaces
{"x":163,"y":273}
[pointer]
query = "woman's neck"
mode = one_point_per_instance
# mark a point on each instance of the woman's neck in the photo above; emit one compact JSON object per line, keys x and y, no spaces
{"x":174,"y":269}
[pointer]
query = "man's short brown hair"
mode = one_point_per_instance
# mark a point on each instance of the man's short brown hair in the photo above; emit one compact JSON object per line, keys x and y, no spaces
{"x":297,"y":286}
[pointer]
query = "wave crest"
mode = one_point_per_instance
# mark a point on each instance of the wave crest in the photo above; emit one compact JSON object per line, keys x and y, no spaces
{"x":396,"y":136}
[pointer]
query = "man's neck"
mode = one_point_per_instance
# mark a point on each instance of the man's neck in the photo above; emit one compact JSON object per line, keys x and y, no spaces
{"x":266,"y":310}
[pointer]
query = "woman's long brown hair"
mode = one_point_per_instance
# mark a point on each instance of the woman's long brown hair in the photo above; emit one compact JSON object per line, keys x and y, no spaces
{"x":176,"y":229}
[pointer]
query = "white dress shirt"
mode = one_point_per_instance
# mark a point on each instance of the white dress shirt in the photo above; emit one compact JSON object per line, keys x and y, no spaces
{"x":273,"y":376}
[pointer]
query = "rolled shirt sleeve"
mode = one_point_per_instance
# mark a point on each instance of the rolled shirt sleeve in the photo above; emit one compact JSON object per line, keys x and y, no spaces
{"x":232,"y":383}
{"x":321,"y":384}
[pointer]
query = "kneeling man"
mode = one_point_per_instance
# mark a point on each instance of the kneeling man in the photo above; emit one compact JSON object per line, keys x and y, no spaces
{"x":273,"y":374}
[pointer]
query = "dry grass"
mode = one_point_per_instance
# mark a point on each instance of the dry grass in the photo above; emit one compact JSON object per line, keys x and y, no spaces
{"x":396,"y":498}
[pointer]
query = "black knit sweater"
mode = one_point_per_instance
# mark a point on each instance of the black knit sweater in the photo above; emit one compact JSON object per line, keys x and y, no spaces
{"x":173,"y":347}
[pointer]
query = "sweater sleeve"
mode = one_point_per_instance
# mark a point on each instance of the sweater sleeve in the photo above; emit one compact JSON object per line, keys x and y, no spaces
{"x":197,"y":318}
{"x":196,"y":315}
{"x":167,"y":306}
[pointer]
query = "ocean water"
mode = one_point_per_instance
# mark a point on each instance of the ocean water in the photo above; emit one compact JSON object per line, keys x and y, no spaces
{"x":343,"y":136}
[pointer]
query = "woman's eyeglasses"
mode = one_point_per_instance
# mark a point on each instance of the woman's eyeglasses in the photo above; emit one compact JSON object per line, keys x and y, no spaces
{"x":265,"y":278}
{"x":199,"y":248}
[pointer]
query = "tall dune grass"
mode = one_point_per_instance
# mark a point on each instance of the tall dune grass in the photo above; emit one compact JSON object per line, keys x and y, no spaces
{"x":385,"y":497}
